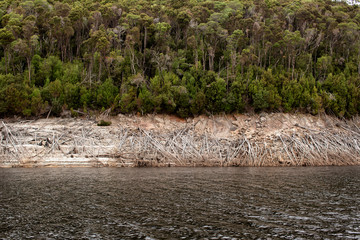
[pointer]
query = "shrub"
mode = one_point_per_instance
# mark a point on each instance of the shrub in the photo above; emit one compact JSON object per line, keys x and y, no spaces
{"x":103,"y":123}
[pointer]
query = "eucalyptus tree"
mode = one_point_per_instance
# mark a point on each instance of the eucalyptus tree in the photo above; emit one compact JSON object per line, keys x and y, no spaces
{"x":213,"y":34}
{"x":6,"y":38}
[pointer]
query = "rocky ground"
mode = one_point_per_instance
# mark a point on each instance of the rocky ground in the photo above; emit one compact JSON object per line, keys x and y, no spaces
{"x":275,"y":139}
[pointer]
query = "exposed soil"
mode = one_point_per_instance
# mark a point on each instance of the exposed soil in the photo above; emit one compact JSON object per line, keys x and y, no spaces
{"x":275,"y":139}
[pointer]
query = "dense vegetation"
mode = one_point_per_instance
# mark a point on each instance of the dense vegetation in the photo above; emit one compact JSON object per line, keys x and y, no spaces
{"x":185,"y":57}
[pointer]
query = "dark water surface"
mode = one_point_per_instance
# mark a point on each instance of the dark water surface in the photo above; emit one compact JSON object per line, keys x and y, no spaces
{"x":180,"y":203}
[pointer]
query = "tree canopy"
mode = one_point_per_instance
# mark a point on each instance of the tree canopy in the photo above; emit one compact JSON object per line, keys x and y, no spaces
{"x":179,"y":57}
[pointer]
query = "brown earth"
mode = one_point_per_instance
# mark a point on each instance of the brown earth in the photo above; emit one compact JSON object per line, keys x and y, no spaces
{"x":276,"y":139}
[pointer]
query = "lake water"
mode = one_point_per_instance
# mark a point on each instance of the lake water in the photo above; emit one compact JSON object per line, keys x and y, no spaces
{"x":180,"y":203}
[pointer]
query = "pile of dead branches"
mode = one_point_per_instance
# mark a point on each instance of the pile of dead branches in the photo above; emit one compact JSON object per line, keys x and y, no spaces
{"x":183,"y":147}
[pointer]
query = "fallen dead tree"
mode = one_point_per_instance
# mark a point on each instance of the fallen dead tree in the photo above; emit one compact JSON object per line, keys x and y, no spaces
{"x":84,"y":144}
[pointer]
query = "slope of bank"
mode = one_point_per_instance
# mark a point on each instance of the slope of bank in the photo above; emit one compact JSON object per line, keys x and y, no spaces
{"x":275,"y":139}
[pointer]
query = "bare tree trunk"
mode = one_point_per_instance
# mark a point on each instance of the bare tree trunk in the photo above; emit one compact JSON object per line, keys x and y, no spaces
{"x":196,"y":59}
{"x":132,"y":58}
{"x":100,"y":69}
{"x":144,"y":46}
{"x":78,"y":42}
{"x":359,"y":61}
{"x":227,"y":76}
{"x":293,"y":68}
{"x":29,"y":69}
{"x":203,"y":56}
{"x":90,"y":69}
{"x":233,"y":62}
{"x":196,"y":55}
{"x":289,"y":63}
{"x":211,"y":58}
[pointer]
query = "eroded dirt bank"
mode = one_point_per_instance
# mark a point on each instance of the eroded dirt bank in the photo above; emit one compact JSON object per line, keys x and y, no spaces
{"x":160,"y":140}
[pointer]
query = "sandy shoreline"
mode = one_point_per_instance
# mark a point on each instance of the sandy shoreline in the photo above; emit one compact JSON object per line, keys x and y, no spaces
{"x":276,"y":139}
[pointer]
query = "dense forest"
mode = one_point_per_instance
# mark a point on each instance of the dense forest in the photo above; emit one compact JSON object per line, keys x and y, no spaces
{"x":185,"y":57}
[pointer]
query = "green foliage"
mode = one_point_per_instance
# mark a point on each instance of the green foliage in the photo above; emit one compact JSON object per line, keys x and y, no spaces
{"x":259,"y":95}
{"x":5,"y":81}
{"x":126,"y":101}
{"x":198,"y":103}
{"x":37,"y":104}
{"x":182,"y":57}
{"x":50,"y":69}
{"x":106,"y":93}
{"x":104,"y":123}
{"x":86,"y":97}
{"x":72,"y":95}
{"x":292,"y":93}
{"x":145,"y":101}
{"x":182,"y":101}
{"x":235,"y":101}
{"x":216,"y":95}
{"x":72,"y":72}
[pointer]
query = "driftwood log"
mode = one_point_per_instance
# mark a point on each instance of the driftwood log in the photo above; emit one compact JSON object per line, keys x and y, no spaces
{"x":86,"y":145}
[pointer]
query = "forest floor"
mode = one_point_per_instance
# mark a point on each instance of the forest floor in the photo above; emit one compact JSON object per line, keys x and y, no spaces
{"x":275,"y":139}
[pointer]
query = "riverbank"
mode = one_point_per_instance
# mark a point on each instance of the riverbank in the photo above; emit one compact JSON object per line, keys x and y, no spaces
{"x":275,"y":139}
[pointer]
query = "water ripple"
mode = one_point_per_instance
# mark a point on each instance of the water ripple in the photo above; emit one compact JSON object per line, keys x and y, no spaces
{"x":180,"y":203}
